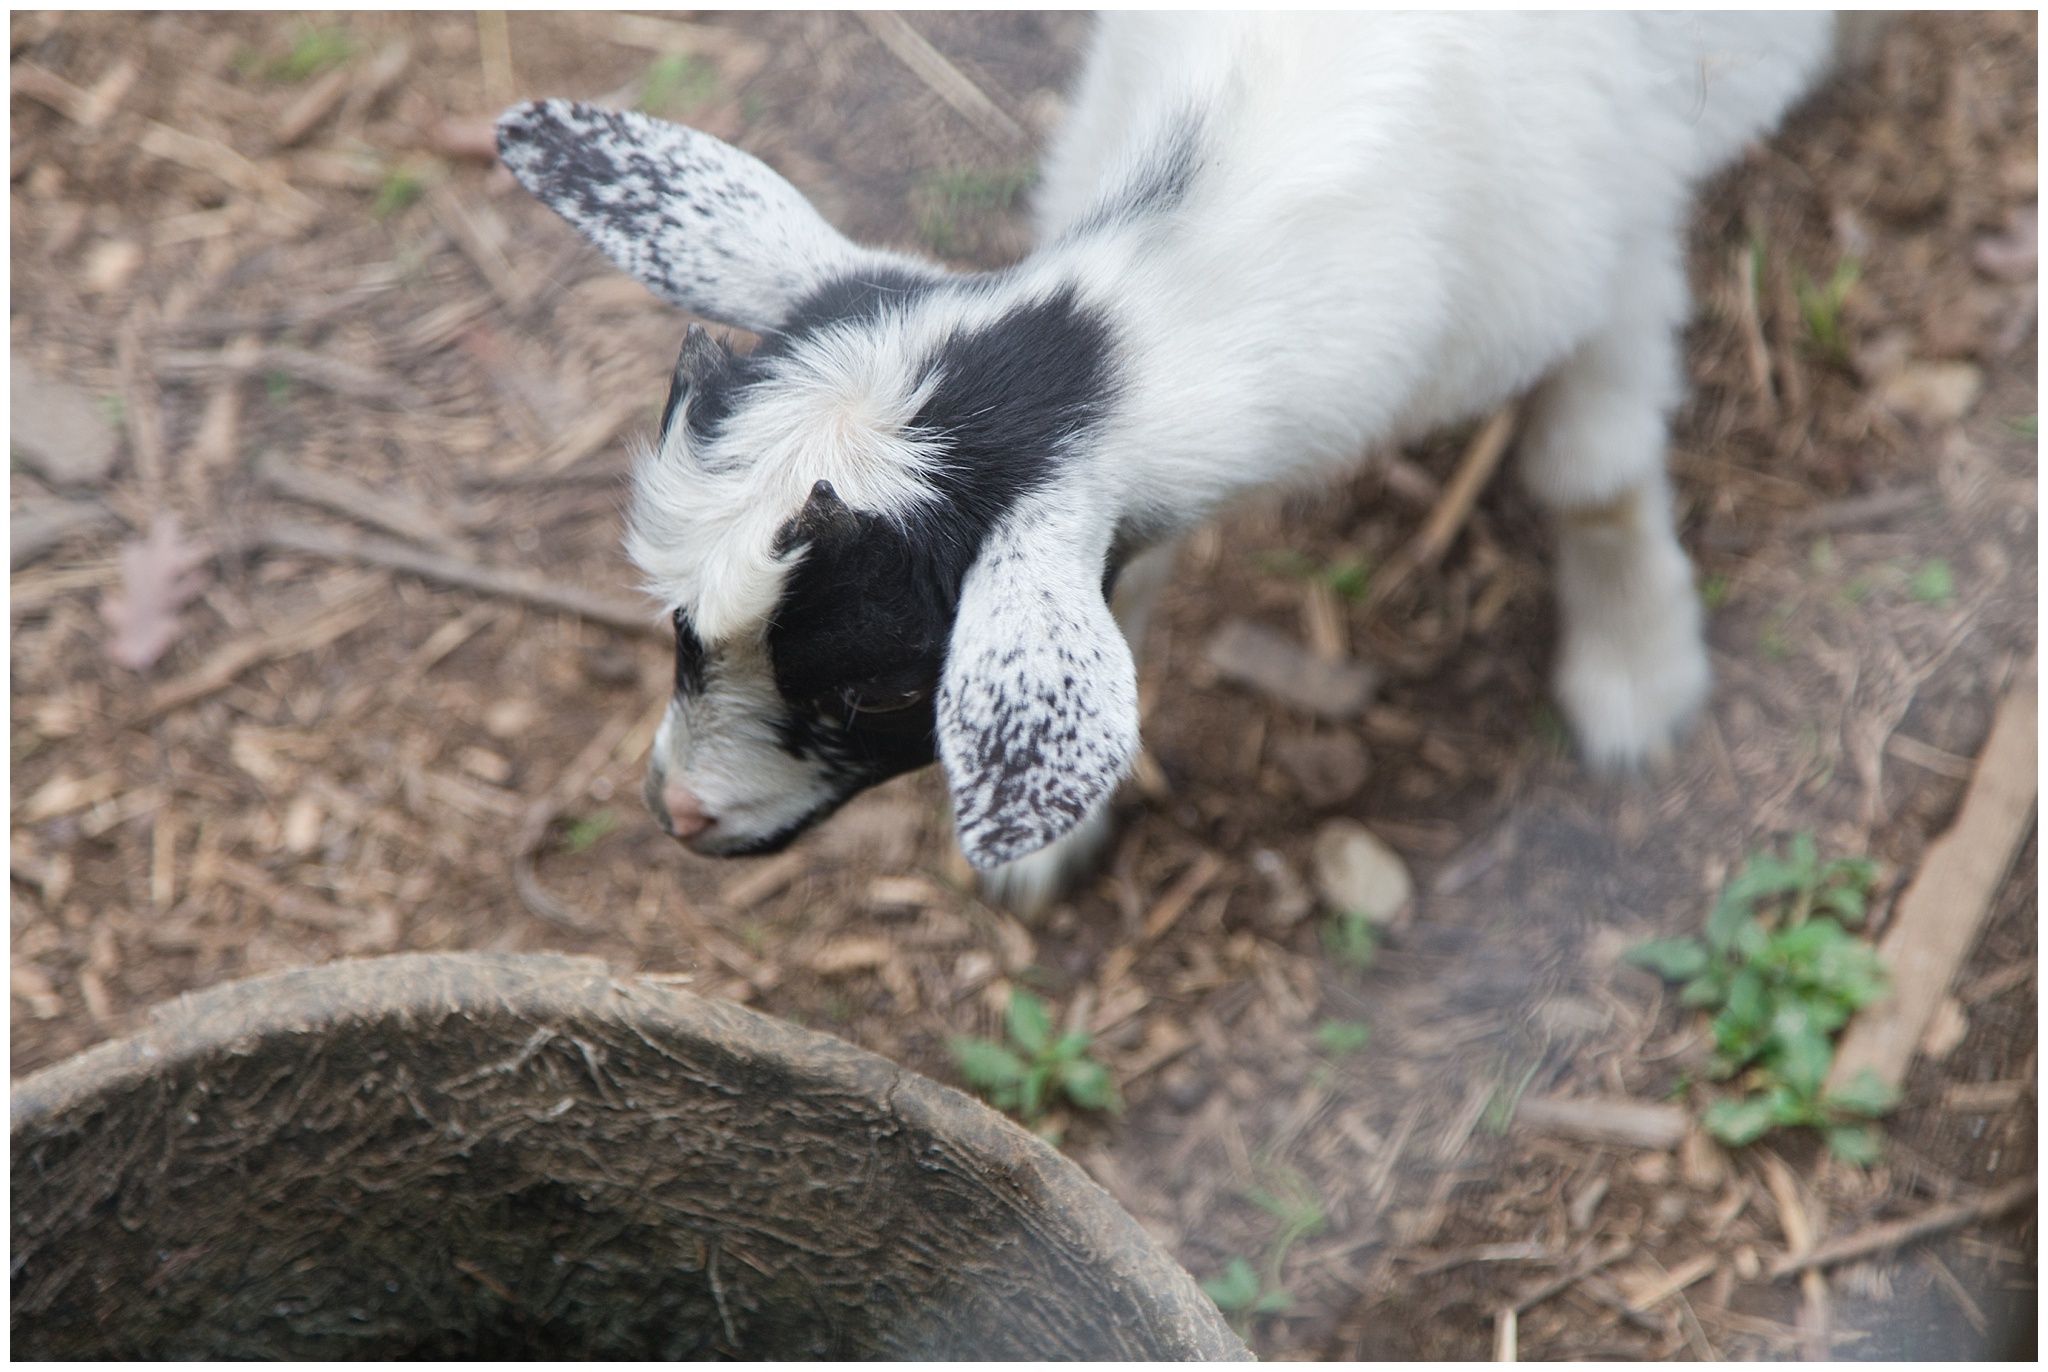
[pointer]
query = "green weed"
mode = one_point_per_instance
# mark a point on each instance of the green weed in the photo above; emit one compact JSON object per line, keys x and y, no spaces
{"x":314,"y":49}
{"x":678,"y":84}
{"x":580,"y":835}
{"x":402,"y":186}
{"x":1771,"y":640}
{"x":277,"y":387}
{"x":1347,"y":576}
{"x":114,"y":411}
{"x":1351,"y":939}
{"x":1714,"y":589}
{"x":1241,"y":1291}
{"x":954,"y":196}
{"x":1933,"y":584}
{"x":1781,"y":975}
{"x":1036,"y":1067}
{"x":1821,"y":309}
{"x":1340,"y":1038}
{"x":2025,"y":425}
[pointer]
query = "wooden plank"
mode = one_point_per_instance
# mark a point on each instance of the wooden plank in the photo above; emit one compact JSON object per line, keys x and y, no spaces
{"x":1940,"y":914}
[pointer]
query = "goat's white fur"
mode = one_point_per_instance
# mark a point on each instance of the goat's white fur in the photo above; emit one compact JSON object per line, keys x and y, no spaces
{"x":1398,"y":221}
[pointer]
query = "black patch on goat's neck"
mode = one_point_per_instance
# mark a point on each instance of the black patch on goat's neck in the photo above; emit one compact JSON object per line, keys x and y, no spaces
{"x":848,"y":299}
{"x":870,"y":609}
{"x":1156,"y":182}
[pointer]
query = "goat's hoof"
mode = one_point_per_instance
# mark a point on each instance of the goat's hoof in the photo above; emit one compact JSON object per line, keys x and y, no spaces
{"x":1629,"y":710}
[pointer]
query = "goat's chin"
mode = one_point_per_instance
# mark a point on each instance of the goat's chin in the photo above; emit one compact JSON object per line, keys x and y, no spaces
{"x":714,"y":842}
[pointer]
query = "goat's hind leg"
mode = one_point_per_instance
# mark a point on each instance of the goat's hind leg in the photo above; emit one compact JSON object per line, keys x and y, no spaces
{"x":1632,"y":665}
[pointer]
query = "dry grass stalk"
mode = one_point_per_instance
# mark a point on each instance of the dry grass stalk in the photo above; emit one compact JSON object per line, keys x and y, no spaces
{"x":318,"y":101}
{"x":328,"y":373}
{"x":947,"y":81}
{"x":220,"y":161}
{"x":232,"y":659}
{"x":405,"y":518}
{"x":455,"y":215}
{"x":1482,"y":456}
{"x":87,"y":108}
{"x":290,"y":536}
{"x":1629,"y":1123}
{"x":494,"y":46}
{"x":1881,"y":1238}
{"x":738,"y":57}
{"x":1936,"y":921}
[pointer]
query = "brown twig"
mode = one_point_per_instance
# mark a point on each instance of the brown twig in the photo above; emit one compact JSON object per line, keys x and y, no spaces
{"x":620,"y":735}
{"x":139,"y":410}
{"x":328,"y":373}
{"x":947,"y":81}
{"x":290,"y":536}
{"x":337,"y":492}
{"x":1879,"y":1238}
{"x":455,"y":215}
{"x":1428,"y":546}
{"x":220,"y":161}
{"x":238,"y":656}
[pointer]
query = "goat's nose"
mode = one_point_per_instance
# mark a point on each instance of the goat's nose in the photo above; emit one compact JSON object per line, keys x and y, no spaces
{"x":686,"y":816}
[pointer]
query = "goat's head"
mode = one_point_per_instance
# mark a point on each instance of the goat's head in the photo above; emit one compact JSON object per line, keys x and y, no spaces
{"x":867,"y":531}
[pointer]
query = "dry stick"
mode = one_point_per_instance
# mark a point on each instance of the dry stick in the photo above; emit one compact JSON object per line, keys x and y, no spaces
{"x":947,"y":81}
{"x":1751,"y":326}
{"x":328,"y":373}
{"x":1434,"y":539}
{"x":230,"y":661}
{"x":1878,"y":1238}
{"x":1581,"y":1270}
{"x":219,"y":160}
{"x":402,"y":517}
{"x":621,"y":734}
{"x":460,"y":221}
{"x":289,"y":536}
{"x":309,"y":109}
{"x":139,"y":409}
{"x":1938,"y":917}
{"x":494,"y":43}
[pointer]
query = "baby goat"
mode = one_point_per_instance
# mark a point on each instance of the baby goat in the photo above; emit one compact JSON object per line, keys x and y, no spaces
{"x":1269,"y":244}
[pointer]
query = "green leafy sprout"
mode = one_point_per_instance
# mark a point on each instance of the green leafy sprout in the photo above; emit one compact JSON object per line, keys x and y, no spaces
{"x":1351,"y":939}
{"x":579,"y":836}
{"x":1243,"y":1291}
{"x":677,"y":84}
{"x":953,"y":195}
{"x":1714,"y":589}
{"x":314,"y":49}
{"x":402,"y":185}
{"x":1821,"y":308}
{"x":1781,"y":975}
{"x":1933,"y":584}
{"x":1037,"y":1066}
{"x":1347,"y":576}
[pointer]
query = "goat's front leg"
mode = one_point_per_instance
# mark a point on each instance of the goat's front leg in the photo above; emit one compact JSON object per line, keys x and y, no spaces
{"x":1632,"y":664}
{"x":1031,"y":884}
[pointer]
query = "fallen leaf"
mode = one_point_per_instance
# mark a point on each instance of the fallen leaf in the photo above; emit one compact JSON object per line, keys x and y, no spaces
{"x":160,"y":575}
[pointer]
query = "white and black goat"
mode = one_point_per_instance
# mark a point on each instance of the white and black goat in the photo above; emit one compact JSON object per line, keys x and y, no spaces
{"x":1268,"y":245}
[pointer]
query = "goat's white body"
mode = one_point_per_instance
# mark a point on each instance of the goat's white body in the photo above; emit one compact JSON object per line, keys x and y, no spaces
{"x":1304,"y":237}
{"x":1401,"y":220}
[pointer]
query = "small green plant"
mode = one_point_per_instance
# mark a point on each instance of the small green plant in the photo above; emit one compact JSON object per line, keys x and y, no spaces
{"x":1340,"y":1038}
{"x":581,"y":834}
{"x":1933,"y":584}
{"x":1856,"y":590}
{"x":1714,"y":589}
{"x":677,"y":84}
{"x":1781,"y":974}
{"x":402,"y":185}
{"x":314,"y":49}
{"x":1351,"y":939}
{"x":277,"y":387}
{"x":952,"y":196}
{"x":1821,"y":308}
{"x":1241,"y":1291}
{"x":1028,"y":1075}
{"x":2025,"y":425}
{"x":1549,"y":726}
{"x":1347,"y":576}
{"x":1771,"y":640}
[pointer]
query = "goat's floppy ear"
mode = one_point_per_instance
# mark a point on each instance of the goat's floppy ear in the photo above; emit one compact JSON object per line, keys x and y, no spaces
{"x":1038,"y":704}
{"x":696,"y":221}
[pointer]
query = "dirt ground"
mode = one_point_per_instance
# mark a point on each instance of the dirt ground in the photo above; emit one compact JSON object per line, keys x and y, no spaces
{"x":370,"y":340}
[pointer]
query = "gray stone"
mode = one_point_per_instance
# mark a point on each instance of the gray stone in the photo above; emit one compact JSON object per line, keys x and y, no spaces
{"x":1357,"y":873}
{"x":57,"y":430}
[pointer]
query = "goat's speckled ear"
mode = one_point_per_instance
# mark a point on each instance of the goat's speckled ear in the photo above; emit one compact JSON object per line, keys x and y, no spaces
{"x":693,"y":219}
{"x":1038,"y":705}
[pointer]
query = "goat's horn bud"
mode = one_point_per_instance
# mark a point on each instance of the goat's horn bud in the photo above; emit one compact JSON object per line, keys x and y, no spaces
{"x":701,"y":353}
{"x":824,"y":518}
